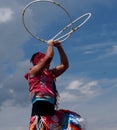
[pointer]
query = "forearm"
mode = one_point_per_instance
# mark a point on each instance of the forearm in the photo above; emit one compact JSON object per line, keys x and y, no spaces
{"x":50,"y":49}
{"x":63,"y":56}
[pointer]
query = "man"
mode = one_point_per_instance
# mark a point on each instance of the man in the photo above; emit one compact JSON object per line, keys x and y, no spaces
{"x":41,"y":79}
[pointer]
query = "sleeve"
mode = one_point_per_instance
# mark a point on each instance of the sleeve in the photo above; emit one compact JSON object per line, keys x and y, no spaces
{"x":26,"y":76}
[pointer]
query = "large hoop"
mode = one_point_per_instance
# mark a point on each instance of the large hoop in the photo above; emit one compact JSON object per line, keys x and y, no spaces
{"x":53,"y":2}
{"x":65,"y":36}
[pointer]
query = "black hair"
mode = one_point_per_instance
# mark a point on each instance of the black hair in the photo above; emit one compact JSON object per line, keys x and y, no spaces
{"x":32,"y":58}
{"x":56,"y":102}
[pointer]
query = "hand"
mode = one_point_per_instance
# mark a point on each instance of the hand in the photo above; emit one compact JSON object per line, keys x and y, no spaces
{"x":57,"y":44}
{"x":51,"y":42}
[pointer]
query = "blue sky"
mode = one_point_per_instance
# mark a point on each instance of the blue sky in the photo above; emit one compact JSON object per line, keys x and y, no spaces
{"x":88,"y":87}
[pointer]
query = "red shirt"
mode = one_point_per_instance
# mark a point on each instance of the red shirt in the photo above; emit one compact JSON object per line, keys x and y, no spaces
{"x":41,"y":85}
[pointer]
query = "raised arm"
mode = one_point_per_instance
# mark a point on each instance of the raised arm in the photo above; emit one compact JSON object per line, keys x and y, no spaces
{"x":45,"y":61}
{"x":64,"y":63}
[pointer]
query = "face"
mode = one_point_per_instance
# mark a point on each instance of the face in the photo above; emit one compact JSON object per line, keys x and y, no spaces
{"x":37,"y":58}
{"x":47,"y":64}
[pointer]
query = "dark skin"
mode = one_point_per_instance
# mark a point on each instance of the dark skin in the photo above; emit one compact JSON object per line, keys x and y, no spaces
{"x":44,"y":63}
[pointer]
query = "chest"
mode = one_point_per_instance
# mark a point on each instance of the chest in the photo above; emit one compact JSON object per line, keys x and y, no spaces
{"x":45,"y":80}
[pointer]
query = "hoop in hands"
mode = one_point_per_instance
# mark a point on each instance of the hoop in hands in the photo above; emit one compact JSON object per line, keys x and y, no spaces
{"x":50,"y":1}
{"x":61,"y":35}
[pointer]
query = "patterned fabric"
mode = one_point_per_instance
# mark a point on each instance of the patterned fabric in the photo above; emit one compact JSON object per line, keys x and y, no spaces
{"x":33,"y":123}
{"x":41,"y":87}
{"x":63,"y":120}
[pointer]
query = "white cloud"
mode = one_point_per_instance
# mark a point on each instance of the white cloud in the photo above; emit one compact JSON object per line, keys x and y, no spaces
{"x":89,"y":88}
{"x":6,"y":14}
{"x":76,"y":90}
{"x":113,"y":50}
{"x":75,"y":84}
{"x":85,"y":89}
{"x":16,"y":118}
{"x":67,"y":97}
{"x":109,"y":51}
{"x":84,"y":86}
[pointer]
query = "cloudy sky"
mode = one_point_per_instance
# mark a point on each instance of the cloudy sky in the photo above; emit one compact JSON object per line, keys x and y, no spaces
{"x":88,"y":87}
